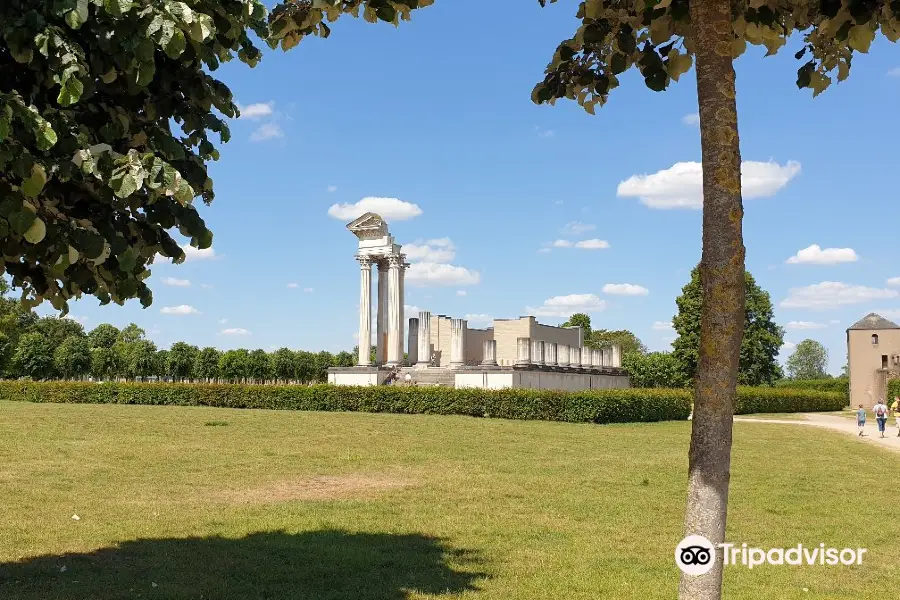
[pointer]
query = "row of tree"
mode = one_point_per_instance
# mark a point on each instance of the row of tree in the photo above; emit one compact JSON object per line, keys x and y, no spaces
{"x":761,"y":342}
{"x":58,"y":348}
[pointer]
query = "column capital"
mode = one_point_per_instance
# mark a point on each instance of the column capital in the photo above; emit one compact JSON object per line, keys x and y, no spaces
{"x":365,"y":262}
{"x":394,"y":261}
{"x":382,"y":265}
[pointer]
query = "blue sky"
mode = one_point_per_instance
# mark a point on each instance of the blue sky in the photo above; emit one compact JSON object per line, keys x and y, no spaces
{"x":437,"y":114}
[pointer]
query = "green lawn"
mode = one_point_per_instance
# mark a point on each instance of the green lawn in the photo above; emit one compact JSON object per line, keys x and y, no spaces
{"x":190,"y":503}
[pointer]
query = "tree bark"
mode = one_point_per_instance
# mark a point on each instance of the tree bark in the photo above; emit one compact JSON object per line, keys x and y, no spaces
{"x":722,"y":279}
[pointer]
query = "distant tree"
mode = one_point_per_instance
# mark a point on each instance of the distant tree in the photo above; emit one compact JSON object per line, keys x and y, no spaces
{"x":284,"y":364}
{"x":72,"y":358}
{"x":33,"y":357}
{"x":580,"y":320}
{"x":182,"y":357}
{"x":103,"y":336}
{"x":761,"y":340}
{"x":15,"y":320}
{"x":258,"y":366}
{"x":55,"y":329}
{"x":656,"y":369}
{"x":162,"y":364}
{"x":104,"y":363}
{"x":324,"y":360}
{"x":234,"y":365}
{"x":601,"y":338}
{"x":845,"y":370}
{"x":137,"y":359}
{"x":344,"y":359}
{"x":206,"y":365}
{"x":305,"y":366}
{"x":131,"y":333}
{"x":808,"y":361}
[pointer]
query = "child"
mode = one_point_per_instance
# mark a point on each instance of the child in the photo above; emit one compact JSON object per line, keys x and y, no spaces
{"x":861,"y":419}
{"x":895,"y":408}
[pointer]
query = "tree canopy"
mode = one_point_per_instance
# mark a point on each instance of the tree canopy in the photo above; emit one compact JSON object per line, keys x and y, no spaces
{"x":761,"y":340}
{"x":107,"y":110}
{"x":808,"y":361}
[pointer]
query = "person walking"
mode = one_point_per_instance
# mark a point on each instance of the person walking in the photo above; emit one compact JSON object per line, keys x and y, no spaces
{"x":881,"y":413}
{"x":895,"y":408}
{"x":861,"y":419}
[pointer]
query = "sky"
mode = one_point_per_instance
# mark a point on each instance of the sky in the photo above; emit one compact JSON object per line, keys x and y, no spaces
{"x":506,"y":208}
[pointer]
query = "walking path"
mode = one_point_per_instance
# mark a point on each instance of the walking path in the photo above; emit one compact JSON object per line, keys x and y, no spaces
{"x":843,"y":424}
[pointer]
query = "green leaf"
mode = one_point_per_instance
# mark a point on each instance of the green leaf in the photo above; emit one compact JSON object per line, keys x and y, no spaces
{"x":46,"y":137}
{"x":128,"y":259}
{"x":36,"y":232}
{"x":32,"y":186}
{"x":21,"y":221}
{"x":70,"y":91}
{"x":89,"y":243}
{"x":176,"y":45}
{"x":5,"y":125}
{"x":77,"y":17}
{"x":117,"y":8}
{"x":861,"y":37}
{"x":145,"y":73}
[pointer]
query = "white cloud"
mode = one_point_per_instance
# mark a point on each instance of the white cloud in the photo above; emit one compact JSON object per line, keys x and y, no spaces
{"x":834,"y":321}
{"x":831,"y":294}
{"x":577,"y":228}
{"x":562,"y":244}
{"x":565,"y":306}
{"x":480,"y":319}
{"x":77,"y":319}
{"x":293,"y":286}
{"x":788,"y":345}
{"x":206,"y":286}
{"x":661,"y":325}
{"x":543,"y":250}
{"x":309,"y":290}
{"x":235,"y":331}
{"x":430,"y":273}
{"x":544,"y":133}
{"x":267,"y":131}
{"x":557,"y":202}
{"x":191,"y":253}
{"x":888,"y":313}
{"x":411,"y":310}
{"x":391,"y":209}
{"x":894,"y":281}
{"x":257,"y":111}
{"x":439,"y":250}
{"x":692,"y":119}
{"x":625,"y":289}
{"x":895,"y":72}
{"x":223,"y":321}
{"x":176,"y":282}
{"x":181,"y":309}
{"x":331,"y":189}
{"x":681,"y":185}
{"x":592,"y":244}
{"x":805,"y":325}
{"x":461,"y":293}
{"x":814,"y":255}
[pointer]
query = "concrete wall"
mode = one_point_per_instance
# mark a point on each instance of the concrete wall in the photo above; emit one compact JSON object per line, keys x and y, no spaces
{"x":540,"y":380}
{"x":867,"y":379}
{"x":475,"y":339}
{"x":506,"y":331}
{"x":440,"y":339}
{"x":364,"y":378}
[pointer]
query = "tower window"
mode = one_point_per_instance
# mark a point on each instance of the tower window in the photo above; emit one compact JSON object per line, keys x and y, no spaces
{"x":884,"y":364}
{"x":874,"y":339}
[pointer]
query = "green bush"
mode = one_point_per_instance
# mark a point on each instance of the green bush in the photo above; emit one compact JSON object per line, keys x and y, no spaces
{"x":893,"y":389}
{"x":786,"y":400}
{"x":834,"y":384}
{"x":589,"y":406}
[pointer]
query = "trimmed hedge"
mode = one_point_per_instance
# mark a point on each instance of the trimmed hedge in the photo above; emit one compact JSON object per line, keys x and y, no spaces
{"x":786,"y":400}
{"x":589,"y":406}
{"x":892,"y":390}
{"x":834,"y":384}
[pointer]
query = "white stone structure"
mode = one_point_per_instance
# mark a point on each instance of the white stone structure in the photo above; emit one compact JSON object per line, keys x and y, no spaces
{"x":377,"y":247}
{"x":490,"y":353}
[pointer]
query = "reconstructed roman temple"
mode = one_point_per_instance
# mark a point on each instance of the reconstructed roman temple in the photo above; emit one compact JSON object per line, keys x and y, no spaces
{"x":520,"y":353}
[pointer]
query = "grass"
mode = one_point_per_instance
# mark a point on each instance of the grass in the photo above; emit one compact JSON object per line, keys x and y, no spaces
{"x":778,"y":416}
{"x":294,"y":505}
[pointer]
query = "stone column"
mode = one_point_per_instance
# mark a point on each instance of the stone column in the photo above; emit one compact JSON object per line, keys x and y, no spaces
{"x":606,"y":357}
{"x":413,"y":344}
{"x":381,"y":329}
{"x":563,"y":354}
{"x":402,"y":304}
{"x":596,"y":358}
{"x":587,"y":357}
{"x":458,"y":342}
{"x":489,"y":358}
{"x":365,"y":311}
{"x":394,"y":342}
{"x":575,"y":356}
{"x":523,"y":351}
{"x":616,"y":360}
{"x":537,"y":352}
{"x":550,"y":353}
{"x":424,"y":339}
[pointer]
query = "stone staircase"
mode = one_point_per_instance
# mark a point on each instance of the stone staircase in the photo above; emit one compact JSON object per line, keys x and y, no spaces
{"x":432,"y":376}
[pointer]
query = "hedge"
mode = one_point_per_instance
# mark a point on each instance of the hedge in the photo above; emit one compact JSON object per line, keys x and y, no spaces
{"x":893,"y":389}
{"x":836,"y":384}
{"x":589,"y":406}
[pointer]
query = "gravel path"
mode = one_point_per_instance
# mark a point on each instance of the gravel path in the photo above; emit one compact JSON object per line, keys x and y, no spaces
{"x":842,"y":424}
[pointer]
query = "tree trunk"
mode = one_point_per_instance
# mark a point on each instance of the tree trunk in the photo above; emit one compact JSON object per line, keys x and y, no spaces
{"x":722,"y":279}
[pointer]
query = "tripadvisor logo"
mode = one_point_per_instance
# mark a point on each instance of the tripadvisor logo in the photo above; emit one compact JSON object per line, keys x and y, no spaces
{"x":696,"y":555}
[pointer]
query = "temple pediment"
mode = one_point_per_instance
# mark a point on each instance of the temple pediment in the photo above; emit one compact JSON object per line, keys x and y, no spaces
{"x":368,"y":226}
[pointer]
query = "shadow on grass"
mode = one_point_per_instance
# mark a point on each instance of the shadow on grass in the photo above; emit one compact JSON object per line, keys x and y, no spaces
{"x":317,"y":565}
